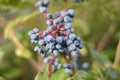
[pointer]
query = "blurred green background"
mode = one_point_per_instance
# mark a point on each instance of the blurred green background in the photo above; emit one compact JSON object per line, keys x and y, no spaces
{"x":97,"y":22}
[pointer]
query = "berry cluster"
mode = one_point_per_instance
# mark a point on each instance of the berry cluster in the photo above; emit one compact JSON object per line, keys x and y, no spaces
{"x":57,"y":39}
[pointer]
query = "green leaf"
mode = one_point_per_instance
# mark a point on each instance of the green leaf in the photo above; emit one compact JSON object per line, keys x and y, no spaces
{"x":57,"y":75}
{"x":12,"y":73}
{"x":96,"y":55}
{"x":102,"y":77}
{"x":42,"y":75}
{"x":82,"y":75}
{"x":25,"y":53}
{"x":112,"y":73}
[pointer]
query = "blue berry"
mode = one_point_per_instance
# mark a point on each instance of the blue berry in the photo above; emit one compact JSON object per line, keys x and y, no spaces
{"x":78,"y":38}
{"x":52,"y":46}
{"x":85,"y":66}
{"x":45,"y":33}
{"x":56,"y":52}
{"x":67,"y":25}
{"x":46,"y":60}
{"x":59,"y":40}
{"x":74,"y":53}
{"x":58,"y":46}
{"x":76,"y":43}
{"x":65,"y":65}
{"x":34,"y":36}
{"x":47,"y":47}
{"x":61,"y":50}
{"x":56,"y":62}
{"x":49,"y":22}
{"x":68,"y":42}
{"x":41,"y":42}
{"x":36,"y":30}
{"x":36,"y":48}
{"x":46,"y":2}
{"x":80,"y":46}
{"x":49,"y":28}
{"x":38,"y":4}
{"x":43,"y":53}
{"x":57,"y":14}
{"x":64,"y":13}
{"x":68,"y":66}
{"x":43,"y":9}
{"x":67,"y":71}
{"x":49,"y":38}
{"x":69,"y":31}
{"x":67,"y":19}
{"x":39,"y":50}
{"x":56,"y":21}
{"x":71,"y":12}
{"x":59,"y":66}
{"x":65,"y":38}
{"x":72,"y":36}
{"x":30,"y":33}
{"x":49,"y":16}
{"x":34,"y":41}
{"x":72,"y":47}
{"x":53,"y":68}
{"x":50,"y":50}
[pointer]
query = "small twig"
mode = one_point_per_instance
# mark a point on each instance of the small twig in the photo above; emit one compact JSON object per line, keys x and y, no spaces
{"x":104,"y":40}
{"x":64,"y":57}
{"x":20,"y":46}
{"x":117,"y":56}
{"x":50,"y":66}
{"x":15,"y":40}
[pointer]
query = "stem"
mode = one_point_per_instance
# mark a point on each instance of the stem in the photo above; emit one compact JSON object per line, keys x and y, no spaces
{"x":64,"y":57}
{"x":50,"y":66}
{"x":117,"y":57}
{"x":105,"y":39}
{"x":20,"y":46}
{"x":15,"y":40}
